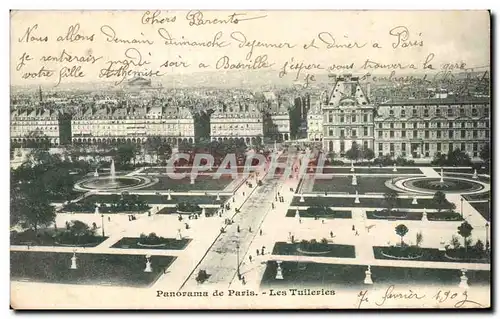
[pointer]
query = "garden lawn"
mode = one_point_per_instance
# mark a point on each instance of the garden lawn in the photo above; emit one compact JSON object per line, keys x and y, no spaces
{"x":163,"y":199}
{"x":339,"y":251}
{"x":342,"y":184}
{"x":428,"y":254}
{"x":300,"y":274}
{"x":93,"y":269}
{"x":481,"y":196}
{"x":372,"y":170}
{"x":202,"y":183}
{"x":399,"y":215}
{"x":333,"y":215}
{"x":364,"y":202}
{"x":170,"y":243}
{"x":173,"y":210}
{"x":44,"y":238}
{"x":484,"y":208}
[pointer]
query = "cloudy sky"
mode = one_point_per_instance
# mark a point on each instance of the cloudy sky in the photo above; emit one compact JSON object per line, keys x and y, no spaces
{"x":453,"y":37}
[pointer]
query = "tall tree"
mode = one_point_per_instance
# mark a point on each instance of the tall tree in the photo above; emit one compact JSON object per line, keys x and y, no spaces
{"x":391,"y":199}
{"x":368,"y":154}
{"x":125,"y":153}
{"x":465,"y":230}
{"x":354,"y":153}
{"x":485,"y":153}
{"x":401,"y":231}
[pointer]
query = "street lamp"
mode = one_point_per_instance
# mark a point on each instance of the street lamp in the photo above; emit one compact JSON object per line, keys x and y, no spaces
{"x":102,"y":224}
{"x":462,"y":207}
{"x":238,"y":260}
{"x":487,"y":241}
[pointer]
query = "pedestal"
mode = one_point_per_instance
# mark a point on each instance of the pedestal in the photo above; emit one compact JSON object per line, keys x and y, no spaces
{"x":73,"y":262}
{"x":442,"y":176}
{"x":424,"y":217}
{"x":218,"y":197}
{"x":301,"y":198}
{"x":96,"y":211}
{"x":297,"y":214}
{"x":204,"y":211}
{"x":356,"y":200}
{"x":169,"y":197}
{"x":148,"y":267}
{"x":414,"y":202}
{"x":96,"y":174}
{"x":279,"y":271}
{"x":192,"y":181}
{"x":394,"y":169}
{"x":368,"y":276}
{"x":179,"y":235}
{"x":474,"y":176}
{"x":354,"y":180}
{"x":463,"y":281}
{"x":352,"y":167}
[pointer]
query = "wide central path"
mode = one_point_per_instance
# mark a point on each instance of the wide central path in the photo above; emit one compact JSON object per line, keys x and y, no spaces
{"x":229,"y":250}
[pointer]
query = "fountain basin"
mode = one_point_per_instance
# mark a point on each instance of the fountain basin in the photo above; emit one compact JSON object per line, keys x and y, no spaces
{"x":114,"y":183}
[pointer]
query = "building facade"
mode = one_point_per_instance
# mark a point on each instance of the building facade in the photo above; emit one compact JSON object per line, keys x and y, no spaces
{"x":315,"y":123}
{"x":117,"y":125}
{"x":424,"y":128}
{"x":34,"y":125}
{"x":347,"y":116}
{"x":411,"y":128}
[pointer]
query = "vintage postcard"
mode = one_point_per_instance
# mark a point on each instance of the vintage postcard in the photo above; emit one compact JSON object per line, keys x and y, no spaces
{"x":250,"y":159}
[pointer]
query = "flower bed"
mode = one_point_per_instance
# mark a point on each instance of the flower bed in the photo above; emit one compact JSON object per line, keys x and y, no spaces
{"x":394,"y":215}
{"x":55,"y":238}
{"x":444,"y":216}
{"x":344,"y":214}
{"x":188,"y":208}
{"x":428,"y":254}
{"x":323,"y":249}
{"x":159,"y":243}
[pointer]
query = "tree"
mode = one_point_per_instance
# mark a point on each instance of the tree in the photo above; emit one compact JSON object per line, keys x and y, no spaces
{"x":354,"y":153}
{"x":485,"y":153}
{"x":79,"y":229}
{"x":458,"y":158}
{"x":32,"y":208}
{"x":419,"y":239}
{"x":401,"y":231}
{"x":465,"y":230}
{"x":125,"y":153}
{"x":368,"y":154}
{"x":441,"y":202}
{"x":391,"y":198}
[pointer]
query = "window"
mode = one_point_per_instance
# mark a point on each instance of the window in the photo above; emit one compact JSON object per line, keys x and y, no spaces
{"x":403,"y":125}
{"x":365,"y":131}
{"x":392,"y":125}
{"x":438,"y":124}
{"x":486,"y":112}
{"x":391,"y":134}
{"x":414,"y":112}
{"x":462,"y":125}
{"x":450,"y":125}
{"x":426,"y":146}
{"x":474,"y":147}
{"x":462,"y":111}
{"x":342,"y":132}
{"x":380,"y":125}
{"x":426,"y":134}
{"x":450,"y":111}
{"x":462,"y":147}
{"x":403,"y":133}
{"x":450,"y":146}
{"x":474,"y":134}
{"x":380,"y":147}
{"x":330,"y":117}
{"x":353,"y":132}
{"x":426,"y":112}
{"x":426,"y":125}
{"x":475,"y":124}
{"x":487,"y":134}
{"x":438,"y":112}
{"x":365,"y":118}
{"x":391,"y":147}
{"x":342,"y":119}
{"x":403,"y":113}
{"x":379,"y":133}
{"x":438,"y":134}
{"x":415,"y":134}
{"x":462,"y":134}
{"x":487,"y":124}
{"x":450,"y":134}
{"x":353,"y":118}
{"x":365,"y":144}
{"x":342,"y":147}
{"x":438,"y":147}
{"x":330,"y":132}
{"x":391,"y":112}
{"x":474,"y":112}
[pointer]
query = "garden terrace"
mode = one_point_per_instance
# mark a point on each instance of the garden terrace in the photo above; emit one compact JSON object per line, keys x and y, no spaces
{"x":318,"y":250}
{"x":427,"y":254}
{"x":371,"y":170}
{"x":93,"y":269}
{"x":342,"y":184}
{"x":364,"y":202}
{"x":163,"y":199}
{"x":333,"y":214}
{"x":484,"y":208}
{"x":303,"y":274}
{"x":202,"y":183}
{"x":161,"y":243}
{"x":48,"y":237}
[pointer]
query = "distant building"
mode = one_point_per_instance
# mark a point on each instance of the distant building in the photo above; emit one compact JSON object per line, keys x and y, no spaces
{"x":315,"y":123}
{"x":35,"y":125}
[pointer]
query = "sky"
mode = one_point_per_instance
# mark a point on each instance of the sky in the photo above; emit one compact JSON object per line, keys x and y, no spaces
{"x":454,"y":38}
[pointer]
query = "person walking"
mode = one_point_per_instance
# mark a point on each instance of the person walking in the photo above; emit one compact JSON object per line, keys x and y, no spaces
{"x":260,"y":232}
{"x":250,"y":258}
